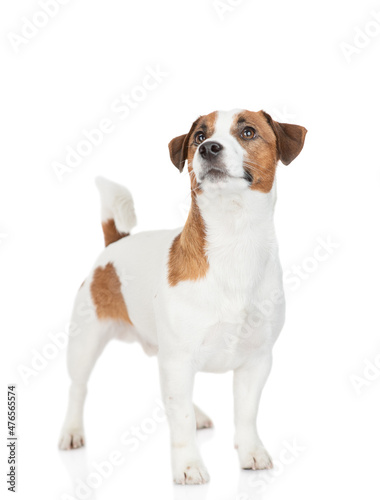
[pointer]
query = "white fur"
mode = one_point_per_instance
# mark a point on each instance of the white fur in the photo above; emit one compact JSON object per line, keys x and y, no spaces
{"x":233,"y":153}
{"x":117,"y":204}
{"x":216,"y":324}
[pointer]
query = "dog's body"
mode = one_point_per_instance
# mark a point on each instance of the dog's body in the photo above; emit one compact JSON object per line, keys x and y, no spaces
{"x":207,"y":297}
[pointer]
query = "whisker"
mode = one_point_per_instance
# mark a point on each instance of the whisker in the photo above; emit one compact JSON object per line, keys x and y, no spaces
{"x":258,"y":164}
{"x":251,"y":166}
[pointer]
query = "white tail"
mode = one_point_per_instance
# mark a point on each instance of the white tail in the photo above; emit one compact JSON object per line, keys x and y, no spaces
{"x":117,"y":210}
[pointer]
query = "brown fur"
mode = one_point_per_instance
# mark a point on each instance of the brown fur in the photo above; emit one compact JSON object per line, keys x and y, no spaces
{"x":207,"y":125}
{"x":289,"y":139}
{"x":183,"y":148}
{"x":261,"y":157}
{"x":107,"y":296}
{"x":275,"y":141}
{"x":111,"y":234}
{"x":187,"y":256}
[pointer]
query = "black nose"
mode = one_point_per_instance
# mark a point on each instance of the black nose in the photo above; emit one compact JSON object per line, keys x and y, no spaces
{"x":209,"y":150}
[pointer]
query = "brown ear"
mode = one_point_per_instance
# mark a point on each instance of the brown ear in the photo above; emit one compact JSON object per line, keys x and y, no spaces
{"x":177,"y":151}
{"x":290,"y":139}
{"x":178,"y":148}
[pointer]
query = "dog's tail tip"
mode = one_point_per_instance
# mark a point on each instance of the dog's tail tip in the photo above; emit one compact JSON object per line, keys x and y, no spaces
{"x":117,"y":210}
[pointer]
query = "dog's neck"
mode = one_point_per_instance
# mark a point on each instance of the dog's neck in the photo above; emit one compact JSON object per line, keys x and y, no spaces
{"x":243,"y":213}
{"x":230,"y":209}
{"x":223,"y":231}
{"x":219,"y":222}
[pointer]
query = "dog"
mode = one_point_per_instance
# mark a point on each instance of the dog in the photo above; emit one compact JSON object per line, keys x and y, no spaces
{"x":193,"y":296}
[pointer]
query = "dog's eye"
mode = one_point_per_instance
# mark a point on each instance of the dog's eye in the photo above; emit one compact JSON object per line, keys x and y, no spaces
{"x":248,"y":133}
{"x":199,"y":137}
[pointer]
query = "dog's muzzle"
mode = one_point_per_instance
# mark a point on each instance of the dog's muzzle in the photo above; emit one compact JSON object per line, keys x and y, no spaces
{"x":212,"y":167}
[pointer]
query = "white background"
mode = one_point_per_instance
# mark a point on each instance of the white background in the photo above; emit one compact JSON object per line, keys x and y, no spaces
{"x":283,"y":56}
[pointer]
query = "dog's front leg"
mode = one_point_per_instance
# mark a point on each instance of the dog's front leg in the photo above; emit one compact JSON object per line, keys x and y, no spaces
{"x":177,"y":379}
{"x":248,"y":385}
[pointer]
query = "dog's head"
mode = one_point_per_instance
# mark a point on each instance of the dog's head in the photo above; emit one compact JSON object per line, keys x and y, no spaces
{"x":236,"y":149}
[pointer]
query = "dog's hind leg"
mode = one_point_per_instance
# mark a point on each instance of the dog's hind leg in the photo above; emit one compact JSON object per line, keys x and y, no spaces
{"x":202,"y":420}
{"x":85,"y":346}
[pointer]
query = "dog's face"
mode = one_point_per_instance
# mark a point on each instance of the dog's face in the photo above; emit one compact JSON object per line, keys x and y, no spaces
{"x":237,"y":149}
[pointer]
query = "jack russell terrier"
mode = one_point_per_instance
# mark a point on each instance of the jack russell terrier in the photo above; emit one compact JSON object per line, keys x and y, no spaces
{"x":194,"y":295}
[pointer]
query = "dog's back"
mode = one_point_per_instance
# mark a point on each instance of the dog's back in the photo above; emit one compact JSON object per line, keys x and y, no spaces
{"x":126,"y":275}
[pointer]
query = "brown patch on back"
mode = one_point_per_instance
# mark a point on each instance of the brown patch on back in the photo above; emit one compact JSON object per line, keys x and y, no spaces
{"x":187,"y":256}
{"x":111,"y":234}
{"x":261,"y":158}
{"x":106,"y":294}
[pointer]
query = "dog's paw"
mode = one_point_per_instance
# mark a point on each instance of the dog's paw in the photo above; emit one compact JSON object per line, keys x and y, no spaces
{"x":256,"y":458}
{"x":71,"y":439}
{"x":203,"y":421}
{"x":194,"y":473}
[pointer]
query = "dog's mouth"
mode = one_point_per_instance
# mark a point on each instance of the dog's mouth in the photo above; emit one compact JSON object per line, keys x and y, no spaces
{"x":248,"y":177}
{"x":218,"y":174}
{"x":214,"y":174}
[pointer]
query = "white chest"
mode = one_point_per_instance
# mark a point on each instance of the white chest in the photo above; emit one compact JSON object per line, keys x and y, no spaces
{"x":237,"y":322}
{"x":218,"y":316}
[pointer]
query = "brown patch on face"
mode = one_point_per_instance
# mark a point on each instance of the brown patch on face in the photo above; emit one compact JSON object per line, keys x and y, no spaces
{"x":261,"y":153}
{"x":187,"y":256}
{"x":183,"y":148}
{"x":107,"y":296}
{"x":111,"y":234}
{"x":290,"y":139}
{"x":273,"y":141}
{"x":206,"y":124}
